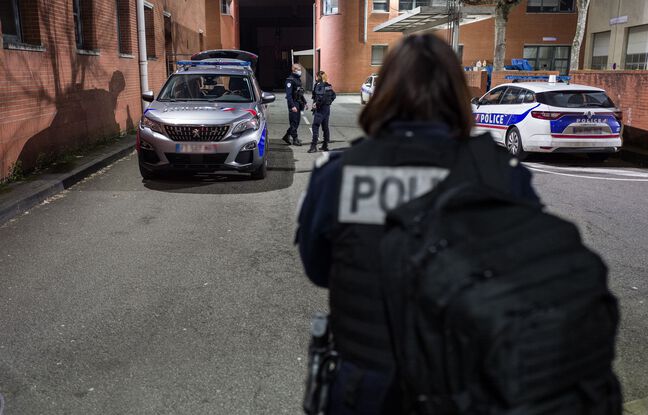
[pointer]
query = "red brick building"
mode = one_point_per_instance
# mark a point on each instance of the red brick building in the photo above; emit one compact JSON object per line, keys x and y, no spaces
{"x":70,"y":73}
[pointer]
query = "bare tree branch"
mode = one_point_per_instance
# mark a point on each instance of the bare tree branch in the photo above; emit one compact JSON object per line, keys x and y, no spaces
{"x":583,"y":7}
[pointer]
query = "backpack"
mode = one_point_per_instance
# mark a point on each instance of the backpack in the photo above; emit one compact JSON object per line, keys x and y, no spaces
{"x":496,"y":306}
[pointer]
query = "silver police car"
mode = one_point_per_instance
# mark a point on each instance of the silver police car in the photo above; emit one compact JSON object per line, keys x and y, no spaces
{"x":210,"y":116}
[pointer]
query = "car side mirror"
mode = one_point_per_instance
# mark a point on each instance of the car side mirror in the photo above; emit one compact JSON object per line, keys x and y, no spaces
{"x":148,"y":96}
{"x":267,"y":97}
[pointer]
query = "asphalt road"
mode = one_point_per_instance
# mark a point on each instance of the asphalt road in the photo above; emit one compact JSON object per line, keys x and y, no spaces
{"x":187,"y":296}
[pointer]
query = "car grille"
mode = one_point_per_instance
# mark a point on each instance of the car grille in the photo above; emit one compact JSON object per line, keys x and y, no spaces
{"x":196,"y":133}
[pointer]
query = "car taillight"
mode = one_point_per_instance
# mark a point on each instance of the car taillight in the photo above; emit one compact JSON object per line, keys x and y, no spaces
{"x":547,"y":115}
{"x":619,"y":116}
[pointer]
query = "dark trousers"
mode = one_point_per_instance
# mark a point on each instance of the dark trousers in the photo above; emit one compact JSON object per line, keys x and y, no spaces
{"x":293,"y":118}
{"x":321,"y":117}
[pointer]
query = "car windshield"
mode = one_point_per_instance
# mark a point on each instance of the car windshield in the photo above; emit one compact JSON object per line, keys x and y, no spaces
{"x":207,"y":87}
{"x":576,"y":99}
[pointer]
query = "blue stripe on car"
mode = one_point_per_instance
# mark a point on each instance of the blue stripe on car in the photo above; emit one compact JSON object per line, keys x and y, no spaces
{"x":262,"y":142}
{"x":495,"y":119}
{"x":560,"y":125}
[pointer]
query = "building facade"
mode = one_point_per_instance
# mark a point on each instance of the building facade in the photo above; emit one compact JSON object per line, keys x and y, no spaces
{"x":70,"y":73}
{"x":617,"y":35}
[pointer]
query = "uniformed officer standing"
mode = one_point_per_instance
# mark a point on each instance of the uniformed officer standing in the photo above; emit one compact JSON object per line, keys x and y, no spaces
{"x":414,"y":135}
{"x":323,"y":97}
{"x":296,"y":104}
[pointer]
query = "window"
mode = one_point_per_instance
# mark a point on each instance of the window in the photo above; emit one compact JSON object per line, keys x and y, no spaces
{"x":124,"y":27}
{"x":330,"y":6}
{"x":83,"y":14}
{"x":381,"y":5}
{"x":208,"y":87}
{"x":576,"y":99}
{"x":510,"y":96}
{"x":378,"y":53}
{"x":550,"y":6}
{"x":493,"y":97}
{"x":226,"y":7}
{"x":637,"y":48}
{"x":526,"y":97}
{"x":149,"y":22}
{"x":405,"y":5}
{"x":10,"y":19}
{"x":20,"y":21}
{"x":548,"y":58}
{"x":600,"y":50}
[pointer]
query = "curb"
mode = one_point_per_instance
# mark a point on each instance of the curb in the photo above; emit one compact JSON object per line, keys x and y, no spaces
{"x":634,"y":155}
{"x":13,"y":208}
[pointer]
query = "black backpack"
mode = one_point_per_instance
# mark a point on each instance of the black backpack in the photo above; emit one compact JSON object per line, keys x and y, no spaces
{"x":495,"y":306}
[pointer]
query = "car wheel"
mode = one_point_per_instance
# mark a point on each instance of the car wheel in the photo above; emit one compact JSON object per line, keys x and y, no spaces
{"x":514,"y":144}
{"x":262,"y":171}
{"x":146,"y":173}
{"x":598,"y":157}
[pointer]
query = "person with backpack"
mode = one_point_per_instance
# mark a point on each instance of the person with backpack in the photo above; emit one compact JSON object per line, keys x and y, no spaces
{"x":323,"y":97}
{"x":365,"y":211}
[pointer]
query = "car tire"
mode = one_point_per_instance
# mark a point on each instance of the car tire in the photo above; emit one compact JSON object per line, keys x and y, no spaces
{"x":513,"y":144}
{"x":262,"y":171}
{"x":598,"y":157}
{"x":146,"y":173}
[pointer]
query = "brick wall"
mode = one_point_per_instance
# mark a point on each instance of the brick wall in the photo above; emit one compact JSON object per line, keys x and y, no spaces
{"x":499,"y":77}
{"x":523,"y":29}
{"x":628,"y":91}
{"x":56,"y":98}
{"x":344,"y":55}
{"x":477,"y":81}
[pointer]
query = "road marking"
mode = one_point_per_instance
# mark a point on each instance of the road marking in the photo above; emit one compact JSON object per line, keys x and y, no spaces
{"x":586,"y":177}
{"x":306,"y":120}
{"x":617,"y":172}
{"x":311,"y":130}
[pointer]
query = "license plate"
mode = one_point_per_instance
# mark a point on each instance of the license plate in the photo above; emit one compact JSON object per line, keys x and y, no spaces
{"x":195,"y":148}
{"x":587,"y":130}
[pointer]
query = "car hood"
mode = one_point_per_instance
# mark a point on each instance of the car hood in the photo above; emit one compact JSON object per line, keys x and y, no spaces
{"x":199,"y":112}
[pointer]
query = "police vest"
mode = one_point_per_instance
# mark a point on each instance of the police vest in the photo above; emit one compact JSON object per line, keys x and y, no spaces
{"x":323,"y":93}
{"x":377,"y":176}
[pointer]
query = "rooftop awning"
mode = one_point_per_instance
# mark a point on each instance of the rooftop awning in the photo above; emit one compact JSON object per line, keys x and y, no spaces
{"x":432,"y":18}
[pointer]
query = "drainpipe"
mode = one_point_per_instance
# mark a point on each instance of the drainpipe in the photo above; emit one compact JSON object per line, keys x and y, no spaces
{"x":143,"y":61}
{"x":366,"y":19}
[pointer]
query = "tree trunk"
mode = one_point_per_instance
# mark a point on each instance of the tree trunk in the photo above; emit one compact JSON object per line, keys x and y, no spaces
{"x":583,"y":6}
{"x":501,"y":18}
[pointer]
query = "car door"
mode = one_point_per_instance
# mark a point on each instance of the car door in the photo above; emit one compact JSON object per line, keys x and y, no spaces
{"x":486,"y":113}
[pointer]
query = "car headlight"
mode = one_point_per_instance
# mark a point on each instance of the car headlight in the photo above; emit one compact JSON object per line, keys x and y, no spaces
{"x":245,"y":125}
{"x":153,"y":125}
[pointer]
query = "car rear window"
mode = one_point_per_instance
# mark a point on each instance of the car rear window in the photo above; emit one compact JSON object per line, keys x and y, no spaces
{"x":207,"y":87}
{"x":575,"y":99}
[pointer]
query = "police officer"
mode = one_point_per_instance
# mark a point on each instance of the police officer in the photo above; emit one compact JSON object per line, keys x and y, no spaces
{"x":296,"y":104}
{"x":323,"y":97}
{"x":413,"y":137}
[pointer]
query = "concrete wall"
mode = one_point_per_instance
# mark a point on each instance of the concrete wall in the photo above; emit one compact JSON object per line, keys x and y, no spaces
{"x":56,"y":98}
{"x":598,"y":20}
{"x":344,"y":55}
{"x":628,"y":91}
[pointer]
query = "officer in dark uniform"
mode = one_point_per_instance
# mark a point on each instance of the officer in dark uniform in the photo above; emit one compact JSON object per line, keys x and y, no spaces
{"x":296,"y":104}
{"x":414,"y":137}
{"x":323,"y":97}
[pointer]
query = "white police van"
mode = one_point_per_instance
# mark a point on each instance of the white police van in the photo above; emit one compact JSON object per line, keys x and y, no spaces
{"x":550,"y":118}
{"x":367,"y":89}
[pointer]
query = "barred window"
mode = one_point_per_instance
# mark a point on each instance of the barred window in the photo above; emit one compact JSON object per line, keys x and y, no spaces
{"x":378,"y":53}
{"x":637,"y":48}
{"x":600,"y":50}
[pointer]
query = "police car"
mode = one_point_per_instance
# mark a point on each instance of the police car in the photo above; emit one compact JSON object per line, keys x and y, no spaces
{"x":550,"y":118}
{"x":210,"y":116}
{"x":367,"y":89}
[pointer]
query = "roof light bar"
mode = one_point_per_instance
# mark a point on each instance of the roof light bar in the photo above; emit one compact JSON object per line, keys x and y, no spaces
{"x":536,"y":77}
{"x":215,"y":62}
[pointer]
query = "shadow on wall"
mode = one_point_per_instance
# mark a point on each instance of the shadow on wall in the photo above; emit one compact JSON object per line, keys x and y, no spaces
{"x":82,"y":117}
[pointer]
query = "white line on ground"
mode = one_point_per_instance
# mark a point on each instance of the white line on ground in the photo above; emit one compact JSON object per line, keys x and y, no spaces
{"x":617,"y":172}
{"x":586,"y":177}
{"x":306,"y":120}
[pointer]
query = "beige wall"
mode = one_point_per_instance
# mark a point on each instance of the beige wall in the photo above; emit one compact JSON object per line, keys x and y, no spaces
{"x":600,"y":13}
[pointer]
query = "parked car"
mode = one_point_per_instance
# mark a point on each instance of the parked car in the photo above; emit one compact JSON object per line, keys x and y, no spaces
{"x":367,"y":89}
{"x":209,"y":116}
{"x":550,"y":118}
